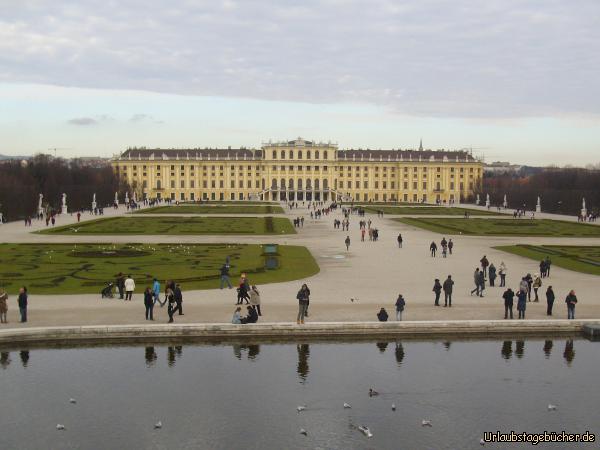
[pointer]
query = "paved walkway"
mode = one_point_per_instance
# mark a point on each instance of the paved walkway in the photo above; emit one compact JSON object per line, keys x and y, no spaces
{"x":371,"y":273}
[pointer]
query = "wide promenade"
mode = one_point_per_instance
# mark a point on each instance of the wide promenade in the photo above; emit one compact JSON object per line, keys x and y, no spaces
{"x":371,"y":273}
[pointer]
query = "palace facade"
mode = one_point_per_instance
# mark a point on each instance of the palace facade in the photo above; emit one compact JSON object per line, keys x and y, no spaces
{"x":300,"y":170}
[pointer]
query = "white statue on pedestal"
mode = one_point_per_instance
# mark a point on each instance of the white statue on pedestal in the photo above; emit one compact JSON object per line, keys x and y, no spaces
{"x":64,"y":203}
{"x":134,"y":197}
{"x":117,"y":198}
{"x":505,"y":204}
{"x":477,"y":201}
{"x":127,"y":198}
{"x":487,"y":200}
{"x":583,"y":209}
{"x":40,"y":207}
{"x":538,"y":207}
{"x":94,"y":204}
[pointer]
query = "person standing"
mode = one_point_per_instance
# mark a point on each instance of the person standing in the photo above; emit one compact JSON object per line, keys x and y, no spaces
{"x":548,"y":264}
{"x":571,"y":301}
{"x":450,"y":245}
{"x":400,"y":304}
{"x":437,"y":288}
{"x":129,"y":287}
{"x":521,"y":303}
{"x":537,"y":283}
{"x":149,"y":303}
{"x":255,"y":299}
{"x":448,"y":287}
{"x":171,"y":304}
{"x":121,"y":284}
{"x":225,"y":276}
{"x":484,"y":265}
{"x":433,"y":249}
{"x":302,"y":296}
{"x":347,"y":242}
{"x":399,"y":240}
{"x":492,"y":274}
{"x":3,"y":306}
{"x":508,"y":297}
{"x":22,"y":300}
{"x":481,"y":283}
{"x":549,"y":300}
{"x":502,"y":273}
{"x":476,"y":281}
{"x":178,"y":299}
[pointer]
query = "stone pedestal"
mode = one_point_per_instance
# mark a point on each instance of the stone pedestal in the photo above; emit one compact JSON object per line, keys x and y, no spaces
{"x":584,"y":212}
{"x":94,"y":206}
{"x":63,"y":210}
{"x":538,"y":208}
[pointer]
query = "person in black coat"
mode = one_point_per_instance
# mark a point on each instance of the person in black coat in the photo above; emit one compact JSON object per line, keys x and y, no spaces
{"x":509,"y":297}
{"x":178,"y":299}
{"x":22,"y":301}
{"x":382,"y":315}
{"x":549,"y":300}
{"x":437,"y":288}
{"x":252,"y":316}
{"x":448,"y":287}
{"x":149,"y":303}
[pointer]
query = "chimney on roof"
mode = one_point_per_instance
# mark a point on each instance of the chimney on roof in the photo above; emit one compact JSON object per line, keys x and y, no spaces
{"x":421,"y":145}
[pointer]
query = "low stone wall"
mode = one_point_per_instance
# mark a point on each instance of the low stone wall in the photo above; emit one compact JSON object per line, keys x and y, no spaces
{"x":287,"y":331}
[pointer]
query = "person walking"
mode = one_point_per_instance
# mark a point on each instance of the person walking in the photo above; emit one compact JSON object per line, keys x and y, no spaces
{"x":255,"y":299}
{"x":549,"y":300}
{"x":481,"y":283}
{"x":382,"y":315}
{"x":399,"y":240}
{"x":571,"y":301}
{"x":521,"y":303}
{"x":492,"y":274}
{"x":433,"y":249}
{"x":22,"y":301}
{"x":149,"y":300}
{"x":3,"y":306}
{"x":225,"y":276}
{"x":450,"y":245}
{"x":448,"y":288}
{"x":177,"y":294}
{"x":437,"y":288}
{"x":129,"y":287}
{"x":476,"y":281}
{"x":347,"y":242}
{"x":502,"y":273}
{"x":302,"y":296}
{"x":400,"y":304}
{"x":537,"y":283}
{"x":242,"y":292}
{"x":548,"y":264}
{"x":508,"y":297}
{"x":156,"y":292}
{"x":170,"y":294}
{"x":120,"y":284}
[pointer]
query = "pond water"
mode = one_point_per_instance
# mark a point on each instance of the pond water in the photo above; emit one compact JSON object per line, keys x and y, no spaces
{"x":245,"y":396}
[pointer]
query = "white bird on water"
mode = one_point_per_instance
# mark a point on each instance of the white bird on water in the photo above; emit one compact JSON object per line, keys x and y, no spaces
{"x":393,"y":407}
{"x":551,"y":407}
{"x":303,"y":431}
{"x":365,"y":431}
{"x":72,"y":400}
{"x":60,"y":427}
{"x":426,"y":423}
{"x":481,"y":442}
{"x":301,"y":408}
{"x":347,"y":406}
{"x":158,"y":425}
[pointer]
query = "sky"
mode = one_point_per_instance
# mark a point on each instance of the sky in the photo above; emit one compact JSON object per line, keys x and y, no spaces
{"x":515,"y":80}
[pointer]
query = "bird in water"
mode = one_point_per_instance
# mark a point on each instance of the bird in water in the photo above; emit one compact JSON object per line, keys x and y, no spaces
{"x":347,"y":406}
{"x":72,"y":400}
{"x":303,"y":431}
{"x":551,"y":407}
{"x":60,"y":427}
{"x":481,"y":442}
{"x":426,"y":423}
{"x":365,"y":431}
{"x":301,"y":408}
{"x":372,"y":392}
{"x":158,"y":425}
{"x":393,"y":407}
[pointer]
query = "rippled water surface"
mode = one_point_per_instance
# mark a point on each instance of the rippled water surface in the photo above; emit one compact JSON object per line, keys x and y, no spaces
{"x":245,"y":396}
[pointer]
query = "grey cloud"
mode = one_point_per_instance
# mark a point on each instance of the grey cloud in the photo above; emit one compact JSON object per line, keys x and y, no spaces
{"x":83,"y":121}
{"x":466,"y":58}
{"x":139,"y":118}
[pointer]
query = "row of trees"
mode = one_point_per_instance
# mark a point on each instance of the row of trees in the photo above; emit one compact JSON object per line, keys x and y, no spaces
{"x":561,"y":190}
{"x":21,"y":182}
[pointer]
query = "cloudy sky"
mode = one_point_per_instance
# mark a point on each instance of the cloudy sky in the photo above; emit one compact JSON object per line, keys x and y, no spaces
{"x":513,"y":79}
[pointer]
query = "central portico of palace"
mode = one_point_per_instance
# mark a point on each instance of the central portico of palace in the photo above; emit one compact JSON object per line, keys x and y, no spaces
{"x":300,"y":170}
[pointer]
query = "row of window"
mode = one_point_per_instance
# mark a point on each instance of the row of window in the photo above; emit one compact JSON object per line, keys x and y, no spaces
{"x":298,"y":154}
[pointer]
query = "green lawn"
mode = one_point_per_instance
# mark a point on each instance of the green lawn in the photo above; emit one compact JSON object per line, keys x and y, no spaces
{"x":504,"y":227}
{"x":430,"y":210}
{"x":578,"y":258}
{"x":86,"y":268}
{"x":178,"y":225}
{"x":213,"y":209}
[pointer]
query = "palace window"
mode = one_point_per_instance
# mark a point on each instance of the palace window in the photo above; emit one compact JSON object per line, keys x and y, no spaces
{"x":316,"y":154}
{"x":232,"y":184}
{"x":182,"y":184}
{"x":325,"y":154}
{"x":299,"y":154}
{"x":308,"y":154}
{"x":274,"y":154}
{"x":282,"y":154}
{"x":291,"y":154}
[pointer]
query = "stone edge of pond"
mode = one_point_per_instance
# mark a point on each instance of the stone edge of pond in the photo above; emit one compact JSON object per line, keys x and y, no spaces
{"x":325,"y":330}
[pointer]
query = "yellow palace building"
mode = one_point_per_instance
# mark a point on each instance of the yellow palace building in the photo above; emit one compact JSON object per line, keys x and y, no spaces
{"x":300,"y":170}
